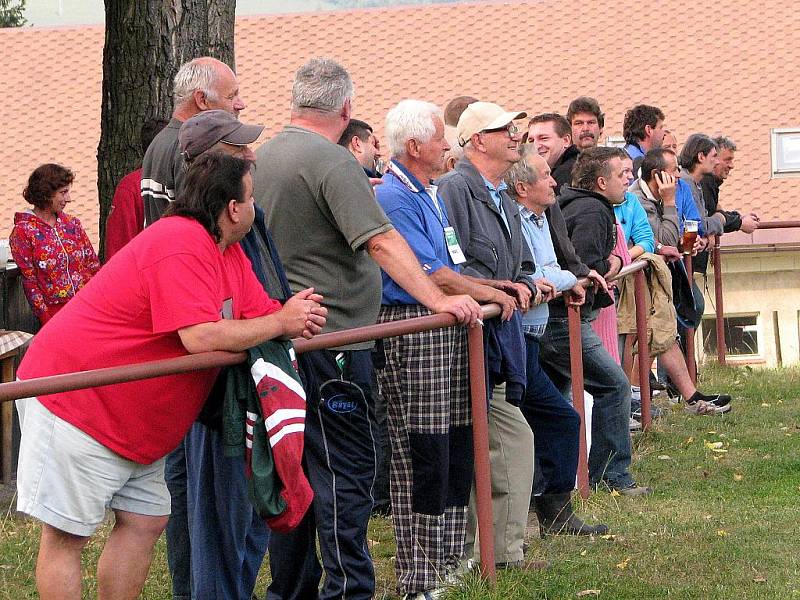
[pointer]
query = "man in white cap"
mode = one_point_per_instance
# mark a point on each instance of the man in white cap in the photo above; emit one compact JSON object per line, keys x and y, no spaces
{"x":488,"y":225}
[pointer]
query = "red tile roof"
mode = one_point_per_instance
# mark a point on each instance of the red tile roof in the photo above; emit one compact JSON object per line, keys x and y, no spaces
{"x":534,"y":56}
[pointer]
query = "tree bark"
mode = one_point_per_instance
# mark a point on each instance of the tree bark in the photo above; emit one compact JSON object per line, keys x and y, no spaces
{"x":146,"y":42}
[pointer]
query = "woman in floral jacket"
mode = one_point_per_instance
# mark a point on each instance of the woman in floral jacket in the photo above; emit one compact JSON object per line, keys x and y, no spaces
{"x":50,"y":247}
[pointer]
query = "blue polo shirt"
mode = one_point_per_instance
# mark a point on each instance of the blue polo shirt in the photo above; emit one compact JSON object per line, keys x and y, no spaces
{"x":420,"y":219}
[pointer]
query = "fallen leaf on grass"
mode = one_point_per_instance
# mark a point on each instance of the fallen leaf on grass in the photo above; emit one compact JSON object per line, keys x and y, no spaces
{"x":624,"y":563}
{"x":585,"y":593}
{"x":608,"y":536}
{"x":664,"y":457}
{"x":711,"y":432}
{"x":689,"y":441}
{"x":722,"y":533}
{"x":583,"y":552}
{"x":372,"y":543}
{"x":759,"y":579}
{"x":767,"y":457}
{"x":615,"y":493}
{"x":712,"y":445}
{"x":765,"y":405}
{"x":738,"y":476}
{"x":719,"y":450}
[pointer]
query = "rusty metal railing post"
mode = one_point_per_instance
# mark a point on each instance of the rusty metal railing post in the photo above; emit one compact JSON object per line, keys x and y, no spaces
{"x":480,"y":440}
{"x":639,"y":291}
{"x":719,"y":320}
{"x":576,"y":369}
{"x":691,"y":364}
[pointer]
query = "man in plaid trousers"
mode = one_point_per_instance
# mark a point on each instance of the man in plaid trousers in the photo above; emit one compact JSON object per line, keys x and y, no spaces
{"x":425,"y":381}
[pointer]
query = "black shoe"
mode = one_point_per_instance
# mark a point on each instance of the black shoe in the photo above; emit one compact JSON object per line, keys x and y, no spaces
{"x":556,"y":517}
{"x":655,"y":384}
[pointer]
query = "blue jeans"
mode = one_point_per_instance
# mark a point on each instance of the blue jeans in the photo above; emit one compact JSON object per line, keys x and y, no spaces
{"x":340,"y":458}
{"x":610,"y":455}
{"x":228,"y":538}
{"x":555,"y":425}
{"x":178,"y":550}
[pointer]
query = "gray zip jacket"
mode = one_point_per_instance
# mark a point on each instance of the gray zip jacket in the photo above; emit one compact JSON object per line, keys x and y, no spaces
{"x":663,"y":219}
{"x":492,"y":252}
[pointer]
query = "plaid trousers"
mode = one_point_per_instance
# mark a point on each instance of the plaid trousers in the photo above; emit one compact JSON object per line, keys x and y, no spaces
{"x":426,"y":389}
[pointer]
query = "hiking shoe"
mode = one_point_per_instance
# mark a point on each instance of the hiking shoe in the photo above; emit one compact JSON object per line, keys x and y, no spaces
{"x":635,"y":490}
{"x":701,"y":407}
{"x":634,"y":425}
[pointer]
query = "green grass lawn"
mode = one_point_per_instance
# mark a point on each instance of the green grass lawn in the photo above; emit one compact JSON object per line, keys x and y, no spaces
{"x":722,"y":523}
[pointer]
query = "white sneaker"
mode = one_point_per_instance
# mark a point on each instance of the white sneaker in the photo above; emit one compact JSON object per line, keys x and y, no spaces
{"x":634,"y":425}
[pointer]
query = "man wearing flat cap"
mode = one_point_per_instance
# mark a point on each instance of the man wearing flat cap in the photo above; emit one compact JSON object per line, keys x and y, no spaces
{"x":488,"y":225}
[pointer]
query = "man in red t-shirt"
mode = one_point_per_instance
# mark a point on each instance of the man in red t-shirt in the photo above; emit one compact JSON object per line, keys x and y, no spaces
{"x":182,"y":286}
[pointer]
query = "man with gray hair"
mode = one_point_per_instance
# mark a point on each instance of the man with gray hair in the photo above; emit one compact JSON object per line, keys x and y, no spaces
{"x":554,"y":422}
{"x":330,"y":233}
{"x":425,"y":382}
{"x":201,"y":84}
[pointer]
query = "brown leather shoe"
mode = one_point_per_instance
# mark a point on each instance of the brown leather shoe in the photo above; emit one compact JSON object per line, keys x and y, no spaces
{"x":525,"y":565}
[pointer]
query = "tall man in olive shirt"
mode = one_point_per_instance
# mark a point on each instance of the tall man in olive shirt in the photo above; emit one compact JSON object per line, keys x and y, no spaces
{"x":331,"y":233}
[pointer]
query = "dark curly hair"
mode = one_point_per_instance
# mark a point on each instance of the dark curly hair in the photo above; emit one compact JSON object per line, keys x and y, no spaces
{"x":637,"y":118}
{"x":586,"y":104}
{"x":44,"y":182}
{"x":213,"y":180}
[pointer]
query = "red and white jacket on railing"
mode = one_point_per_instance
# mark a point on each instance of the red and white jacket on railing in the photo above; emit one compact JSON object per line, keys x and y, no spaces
{"x":55,"y":260}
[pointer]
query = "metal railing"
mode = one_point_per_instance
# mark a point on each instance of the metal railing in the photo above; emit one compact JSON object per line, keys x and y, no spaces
{"x":719,"y":310}
{"x":478,"y":393}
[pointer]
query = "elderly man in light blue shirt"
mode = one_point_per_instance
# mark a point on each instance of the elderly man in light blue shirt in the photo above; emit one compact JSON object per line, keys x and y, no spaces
{"x":555,"y":424}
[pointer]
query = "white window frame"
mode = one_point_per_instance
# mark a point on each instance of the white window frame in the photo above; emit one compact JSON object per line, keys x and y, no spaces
{"x":614,"y":141}
{"x":779,"y":171}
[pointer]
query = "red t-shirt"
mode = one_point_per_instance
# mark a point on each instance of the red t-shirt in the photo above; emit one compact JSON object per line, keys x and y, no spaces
{"x":169,"y":277}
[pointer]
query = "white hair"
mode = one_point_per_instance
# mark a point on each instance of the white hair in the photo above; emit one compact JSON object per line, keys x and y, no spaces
{"x":410,"y":119}
{"x":321,"y":84}
{"x":197,"y":74}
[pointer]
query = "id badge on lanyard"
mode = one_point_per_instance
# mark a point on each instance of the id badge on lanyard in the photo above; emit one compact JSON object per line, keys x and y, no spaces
{"x":453,"y":247}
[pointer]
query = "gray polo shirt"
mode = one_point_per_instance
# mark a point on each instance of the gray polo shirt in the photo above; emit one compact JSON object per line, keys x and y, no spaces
{"x":321,"y":211}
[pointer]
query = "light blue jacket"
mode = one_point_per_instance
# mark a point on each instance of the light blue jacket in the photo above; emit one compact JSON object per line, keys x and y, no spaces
{"x":633,"y":219}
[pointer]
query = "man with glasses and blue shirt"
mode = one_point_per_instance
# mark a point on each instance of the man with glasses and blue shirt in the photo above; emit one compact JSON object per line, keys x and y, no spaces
{"x":555,"y":424}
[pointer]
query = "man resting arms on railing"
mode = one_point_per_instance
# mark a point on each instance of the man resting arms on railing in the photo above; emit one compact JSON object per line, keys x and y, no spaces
{"x":181,"y":286}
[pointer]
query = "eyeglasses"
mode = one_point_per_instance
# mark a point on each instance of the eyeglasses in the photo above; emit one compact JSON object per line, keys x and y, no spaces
{"x":511,"y":129}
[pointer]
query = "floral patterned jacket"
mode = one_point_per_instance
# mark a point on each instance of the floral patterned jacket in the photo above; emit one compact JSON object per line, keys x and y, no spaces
{"x":55,"y":261}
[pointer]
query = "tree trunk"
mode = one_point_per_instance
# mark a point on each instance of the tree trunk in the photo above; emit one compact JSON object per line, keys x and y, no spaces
{"x":146,"y":42}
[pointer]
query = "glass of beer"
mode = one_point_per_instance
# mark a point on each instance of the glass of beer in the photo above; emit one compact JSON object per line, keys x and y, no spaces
{"x":689,"y":235}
